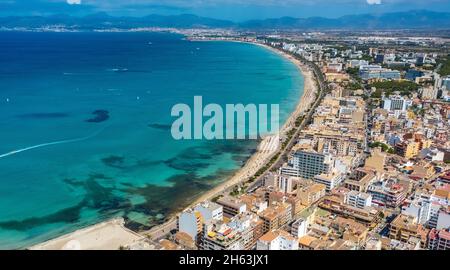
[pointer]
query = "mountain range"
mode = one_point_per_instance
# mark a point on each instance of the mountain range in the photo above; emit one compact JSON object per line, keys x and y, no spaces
{"x":415,"y":19}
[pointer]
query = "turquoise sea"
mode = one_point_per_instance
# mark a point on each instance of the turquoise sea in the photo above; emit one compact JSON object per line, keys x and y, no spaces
{"x":97,"y":108}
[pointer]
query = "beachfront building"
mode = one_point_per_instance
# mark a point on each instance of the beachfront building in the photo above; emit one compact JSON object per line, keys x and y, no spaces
{"x":191,"y":220}
{"x":240,"y":233}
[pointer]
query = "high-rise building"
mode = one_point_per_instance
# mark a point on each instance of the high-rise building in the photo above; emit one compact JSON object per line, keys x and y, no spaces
{"x":407,"y":149}
{"x":310,"y":163}
{"x":395,"y":103}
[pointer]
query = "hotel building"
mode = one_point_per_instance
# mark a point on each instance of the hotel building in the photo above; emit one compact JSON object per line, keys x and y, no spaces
{"x":308,"y":164}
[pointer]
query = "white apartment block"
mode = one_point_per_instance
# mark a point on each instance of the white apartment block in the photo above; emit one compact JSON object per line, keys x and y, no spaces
{"x":358,"y":199}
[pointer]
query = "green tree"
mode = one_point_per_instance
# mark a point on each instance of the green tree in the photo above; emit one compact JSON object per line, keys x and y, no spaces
{"x":388,"y":87}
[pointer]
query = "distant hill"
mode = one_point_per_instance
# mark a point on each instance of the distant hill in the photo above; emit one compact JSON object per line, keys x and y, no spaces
{"x":418,"y":19}
{"x":397,"y":20}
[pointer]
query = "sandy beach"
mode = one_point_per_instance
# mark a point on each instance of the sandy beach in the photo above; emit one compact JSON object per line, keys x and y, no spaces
{"x":108,"y":235}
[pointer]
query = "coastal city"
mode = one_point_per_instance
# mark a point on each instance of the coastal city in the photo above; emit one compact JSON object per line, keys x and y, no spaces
{"x":367,"y":168}
{"x":225,"y":133}
{"x":362,"y":164}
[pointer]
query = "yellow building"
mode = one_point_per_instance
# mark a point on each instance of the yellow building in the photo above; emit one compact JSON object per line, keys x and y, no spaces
{"x":403,"y":227}
{"x":276,"y":216}
{"x":407,"y":149}
{"x":336,"y":77}
{"x":311,"y":194}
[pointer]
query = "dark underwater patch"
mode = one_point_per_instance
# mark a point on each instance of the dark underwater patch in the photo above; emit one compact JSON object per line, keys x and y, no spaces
{"x":163,"y":127}
{"x":162,"y":200}
{"x":68,"y":215}
{"x":99,"y":116}
{"x":114,"y":161}
{"x":201,"y":157}
{"x":97,"y":197}
{"x":120,"y":162}
{"x":187,"y":165}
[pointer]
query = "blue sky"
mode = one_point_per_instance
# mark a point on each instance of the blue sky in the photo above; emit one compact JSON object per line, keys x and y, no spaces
{"x":237,"y":10}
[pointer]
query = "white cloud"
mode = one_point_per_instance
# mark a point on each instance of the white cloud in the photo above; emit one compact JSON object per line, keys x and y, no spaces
{"x":74,"y":2}
{"x":374,"y":2}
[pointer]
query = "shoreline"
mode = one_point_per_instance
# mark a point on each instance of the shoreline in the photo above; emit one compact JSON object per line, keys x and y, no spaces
{"x":266,"y":149}
{"x":261,"y":156}
{"x":258,"y":159}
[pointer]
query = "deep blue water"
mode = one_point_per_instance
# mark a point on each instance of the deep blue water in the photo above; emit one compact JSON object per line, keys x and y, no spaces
{"x":122,"y":160}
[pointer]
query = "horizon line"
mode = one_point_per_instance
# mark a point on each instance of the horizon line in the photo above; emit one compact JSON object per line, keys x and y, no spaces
{"x":219,"y":19}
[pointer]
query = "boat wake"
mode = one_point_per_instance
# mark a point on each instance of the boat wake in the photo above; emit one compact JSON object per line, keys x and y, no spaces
{"x":18,"y":151}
